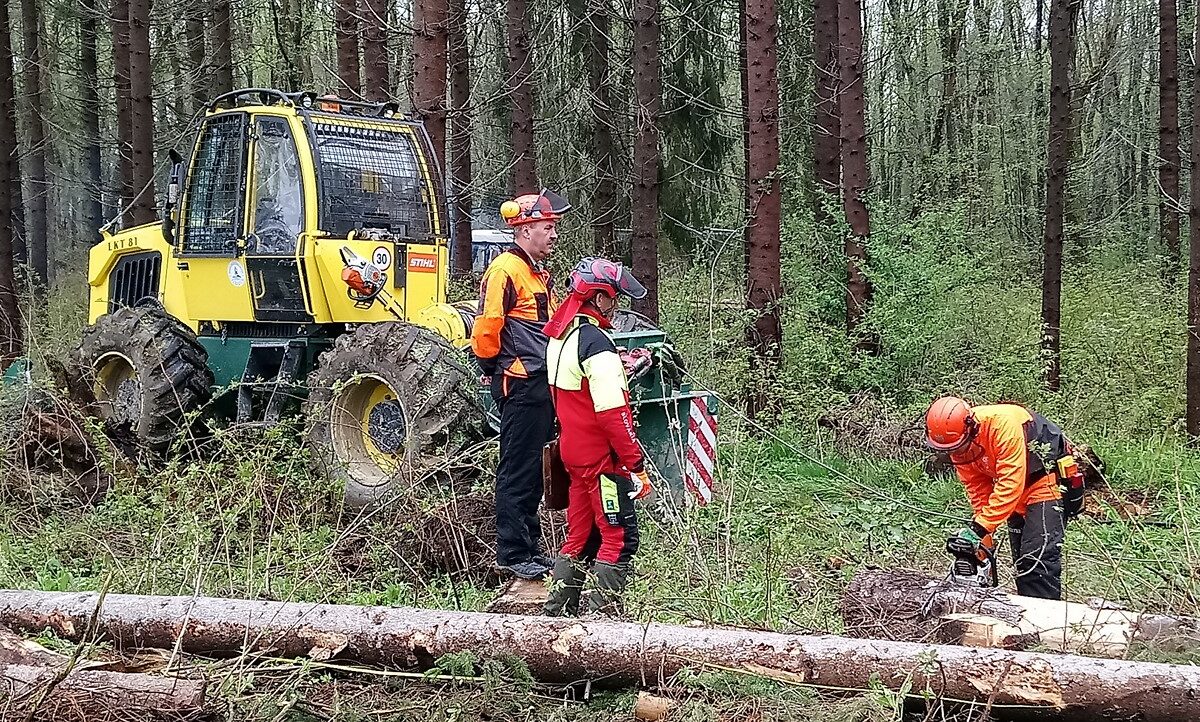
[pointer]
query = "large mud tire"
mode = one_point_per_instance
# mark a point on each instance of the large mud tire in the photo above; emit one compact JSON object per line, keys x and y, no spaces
{"x":148,"y":374}
{"x":390,"y":407}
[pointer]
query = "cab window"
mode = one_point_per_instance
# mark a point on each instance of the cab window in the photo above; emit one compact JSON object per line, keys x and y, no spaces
{"x":278,"y":193}
{"x":212,"y":209}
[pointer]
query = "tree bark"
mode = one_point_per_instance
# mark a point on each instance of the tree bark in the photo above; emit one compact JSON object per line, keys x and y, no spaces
{"x":84,"y":692}
{"x":616,"y":653}
{"x":760,"y":83}
{"x":88,"y":694}
{"x":855,"y":174}
{"x":909,"y":606}
{"x":11,"y":329}
{"x":1058,"y":157}
{"x":460,"y":134}
{"x":604,"y":201}
{"x":520,"y":83}
{"x":376,"y":68}
{"x":345,"y":28}
{"x":287,"y":23}
{"x":89,"y":83}
{"x":430,"y":43}
{"x":196,"y":55}
{"x":952,"y":20}
{"x":647,"y":90}
{"x":826,"y":126}
{"x":124,"y":119}
{"x":1193,"y":338}
{"x":39,"y":190}
{"x":1168,"y":132}
{"x":141,"y":112}
{"x":222,"y":48}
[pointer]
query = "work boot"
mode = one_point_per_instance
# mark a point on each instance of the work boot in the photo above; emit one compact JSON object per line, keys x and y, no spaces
{"x":566,"y":585}
{"x":611,"y":579}
{"x":525,"y":570}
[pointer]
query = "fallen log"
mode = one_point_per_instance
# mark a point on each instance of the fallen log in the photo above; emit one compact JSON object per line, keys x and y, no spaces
{"x":97,"y":689}
{"x":914,"y":607}
{"x":32,"y":676}
{"x":618,"y":653}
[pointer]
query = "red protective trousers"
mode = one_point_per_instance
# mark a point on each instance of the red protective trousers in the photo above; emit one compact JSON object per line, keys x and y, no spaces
{"x":601,"y":522}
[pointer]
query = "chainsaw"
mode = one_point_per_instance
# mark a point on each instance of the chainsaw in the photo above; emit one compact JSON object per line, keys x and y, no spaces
{"x":973,"y":566}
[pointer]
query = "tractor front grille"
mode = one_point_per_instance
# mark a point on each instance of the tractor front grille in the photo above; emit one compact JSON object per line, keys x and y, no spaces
{"x":134,"y":280}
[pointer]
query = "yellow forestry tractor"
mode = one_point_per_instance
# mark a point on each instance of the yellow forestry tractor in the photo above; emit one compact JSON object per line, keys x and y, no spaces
{"x":302,"y":263}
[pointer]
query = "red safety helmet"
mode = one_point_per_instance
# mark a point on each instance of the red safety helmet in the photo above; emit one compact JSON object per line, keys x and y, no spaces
{"x":599,"y":275}
{"x":949,"y":425}
{"x":529,"y":208}
{"x":591,"y":276}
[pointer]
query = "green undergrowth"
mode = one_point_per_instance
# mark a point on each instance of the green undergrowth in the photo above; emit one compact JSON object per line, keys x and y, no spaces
{"x":791,"y":526}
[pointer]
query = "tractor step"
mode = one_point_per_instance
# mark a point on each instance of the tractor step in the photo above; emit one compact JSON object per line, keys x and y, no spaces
{"x":273,"y":368}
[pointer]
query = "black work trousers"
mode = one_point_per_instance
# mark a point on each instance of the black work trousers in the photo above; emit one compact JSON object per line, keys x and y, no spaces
{"x":526,"y":424}
{"x":1036,"y":540}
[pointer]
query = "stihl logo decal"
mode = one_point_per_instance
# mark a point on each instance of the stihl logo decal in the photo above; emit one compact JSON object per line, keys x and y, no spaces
{"x":422,"y":262}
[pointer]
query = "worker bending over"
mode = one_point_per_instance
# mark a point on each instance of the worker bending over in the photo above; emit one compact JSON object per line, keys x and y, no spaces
{"x":1011,"y":462}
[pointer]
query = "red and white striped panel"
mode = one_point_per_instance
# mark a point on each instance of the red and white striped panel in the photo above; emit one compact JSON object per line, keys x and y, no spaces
{"x":701,"y":452}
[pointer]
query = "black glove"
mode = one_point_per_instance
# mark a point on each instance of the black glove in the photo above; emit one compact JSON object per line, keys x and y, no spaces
{"x":487,"y":365}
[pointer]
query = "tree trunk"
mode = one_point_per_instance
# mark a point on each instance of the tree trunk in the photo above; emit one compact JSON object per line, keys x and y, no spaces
{"x":124,"y":119}
{"x":196,"y":56}
{"x":141,"y":112}
{"x":39,"y":191}
{"x":952,"y":20}
{"x":460,"y":134}
{"x":826,"y":126}
{"x":222,"y":48}
{"x":908,"y":606}
{"x":520,"y":83}
{"x":760,"y":83}
{"x":1058,"y":151}
{"x":11,"y":330}
{"x":1168,"y":132}
{"x":429,"y":71}
{"x":89,"y":84}
{"x":855,"y":176}
{"x":604,"y":201}
{"x":376,"y":68}
{"x":1193,"y":339}
{"x":647,"y":91}
{"x":345,"y":26}
{"x":287,"y":23}
{"x":613,"y":653}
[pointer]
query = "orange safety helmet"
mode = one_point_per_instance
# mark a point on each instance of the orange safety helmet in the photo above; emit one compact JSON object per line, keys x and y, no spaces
{"x":545,"y":206}
{"x":949,"y":425}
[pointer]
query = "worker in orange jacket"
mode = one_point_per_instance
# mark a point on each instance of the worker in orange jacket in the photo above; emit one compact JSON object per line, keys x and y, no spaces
{"x":515,"y":302}
{"x":1010,"y":461}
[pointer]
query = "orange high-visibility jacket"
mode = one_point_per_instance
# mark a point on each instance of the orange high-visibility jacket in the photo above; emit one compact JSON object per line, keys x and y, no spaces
{"x":995,"y":468}
{"x":515,"y":302}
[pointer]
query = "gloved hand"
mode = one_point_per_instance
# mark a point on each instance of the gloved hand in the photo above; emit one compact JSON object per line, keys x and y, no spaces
{"x":972,"y":534}
{"x":641,"y":485}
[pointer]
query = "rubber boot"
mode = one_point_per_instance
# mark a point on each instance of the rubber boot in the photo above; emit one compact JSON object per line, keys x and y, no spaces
{"x":611,"y":580}
{"x":566,"y":584}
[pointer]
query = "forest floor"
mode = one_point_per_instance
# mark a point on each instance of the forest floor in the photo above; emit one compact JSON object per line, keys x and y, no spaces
{"x":795,"y":520}
{"x":836,"y":485}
